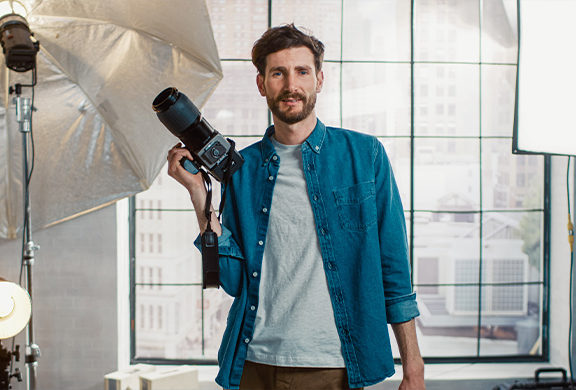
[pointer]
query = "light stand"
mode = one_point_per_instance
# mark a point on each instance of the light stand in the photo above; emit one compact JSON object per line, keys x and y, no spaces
{"x":23,"y":106}
{"x":20,"y":49}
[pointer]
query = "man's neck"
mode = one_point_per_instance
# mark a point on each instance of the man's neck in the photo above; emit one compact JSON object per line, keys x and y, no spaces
{"x":294,"y":134}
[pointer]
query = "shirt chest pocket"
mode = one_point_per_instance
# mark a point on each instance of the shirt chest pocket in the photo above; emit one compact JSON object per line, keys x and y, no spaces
{"x":356,"y":206}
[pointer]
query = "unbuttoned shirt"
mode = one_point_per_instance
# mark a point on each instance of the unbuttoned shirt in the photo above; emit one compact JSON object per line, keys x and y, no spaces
{"x":361,"y":228}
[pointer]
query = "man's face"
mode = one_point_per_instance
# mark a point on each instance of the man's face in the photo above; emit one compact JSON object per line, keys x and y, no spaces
{"x":290,"y":84}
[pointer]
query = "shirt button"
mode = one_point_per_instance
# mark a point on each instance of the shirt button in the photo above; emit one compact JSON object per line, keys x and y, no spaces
{"x":270,"y":178}
{"x":254,"y":274}
{"x":322,"y":231}
{"x":315,"y":197}
{"x":260,"y":242}
{"x":252,"y":307}
{"x":317,"y":148}
{"x":274,"y":157}
{"x":246,"y":340}
{"x":264,"y":210}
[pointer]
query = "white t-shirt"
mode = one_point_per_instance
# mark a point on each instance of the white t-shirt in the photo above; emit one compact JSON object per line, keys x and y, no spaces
{"x":295,"y":324}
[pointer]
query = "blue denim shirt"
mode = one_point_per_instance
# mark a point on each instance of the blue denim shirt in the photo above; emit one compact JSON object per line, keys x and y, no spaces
{"x":361,"y":228}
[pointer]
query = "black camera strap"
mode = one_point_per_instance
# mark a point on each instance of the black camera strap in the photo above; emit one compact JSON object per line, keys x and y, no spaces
{"x":210,"y":257}
{"x":208,"y":203}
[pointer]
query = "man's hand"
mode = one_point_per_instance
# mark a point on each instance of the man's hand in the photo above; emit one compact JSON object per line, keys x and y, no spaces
{"x":193,"y":183}
{"x":412,"y":363}
{"x":413,"y":382}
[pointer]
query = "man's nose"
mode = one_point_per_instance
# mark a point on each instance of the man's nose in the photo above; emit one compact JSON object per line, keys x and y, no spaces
{"x":291,"y":82}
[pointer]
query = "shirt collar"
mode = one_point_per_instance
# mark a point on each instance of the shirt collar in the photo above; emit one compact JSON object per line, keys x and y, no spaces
{"x":314,"y":140}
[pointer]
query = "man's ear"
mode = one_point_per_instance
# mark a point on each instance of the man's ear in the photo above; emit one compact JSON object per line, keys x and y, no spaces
{"x":320,"y":81}
{"x":260,"y":84}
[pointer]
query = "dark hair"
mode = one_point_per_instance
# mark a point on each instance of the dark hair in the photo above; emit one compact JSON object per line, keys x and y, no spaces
{"x":284,"y":37}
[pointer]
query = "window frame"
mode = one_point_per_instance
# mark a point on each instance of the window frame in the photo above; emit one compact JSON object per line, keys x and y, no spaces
{"x":410,"y":211}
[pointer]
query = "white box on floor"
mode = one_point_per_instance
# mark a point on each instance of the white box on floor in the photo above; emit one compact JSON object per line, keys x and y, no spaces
{"x":127,"y":379}
{"x":170,"y":378}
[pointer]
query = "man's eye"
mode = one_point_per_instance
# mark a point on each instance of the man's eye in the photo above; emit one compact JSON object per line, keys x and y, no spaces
{"x":304,"y":72}
{"x":276,"y":74}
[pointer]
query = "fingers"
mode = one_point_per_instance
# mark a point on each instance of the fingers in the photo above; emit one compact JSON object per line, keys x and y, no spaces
{"x":176,"y":153}
{"x":177,"y":171}
{"x":193,"y":183}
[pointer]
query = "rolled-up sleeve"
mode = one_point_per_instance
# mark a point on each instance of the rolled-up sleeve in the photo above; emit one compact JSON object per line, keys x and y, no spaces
{"x":401,"y":303}
{"x":231,"y":262}
{"x":401,"y":309}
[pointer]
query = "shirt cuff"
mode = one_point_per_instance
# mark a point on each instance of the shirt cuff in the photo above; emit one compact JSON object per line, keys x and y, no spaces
{"x":402,"y":308}
{"x":226,"y":244}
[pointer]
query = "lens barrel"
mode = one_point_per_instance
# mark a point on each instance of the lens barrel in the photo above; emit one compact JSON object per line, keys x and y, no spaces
{"x":175,"y":111}
{"x":182,"y":118}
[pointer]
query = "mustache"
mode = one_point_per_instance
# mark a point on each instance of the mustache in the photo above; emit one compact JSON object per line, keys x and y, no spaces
{"x":291,"y":95}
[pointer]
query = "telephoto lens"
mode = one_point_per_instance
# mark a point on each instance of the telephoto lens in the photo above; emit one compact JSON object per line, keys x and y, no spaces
{"x":182,"y":118}
{"x":208,"y":147}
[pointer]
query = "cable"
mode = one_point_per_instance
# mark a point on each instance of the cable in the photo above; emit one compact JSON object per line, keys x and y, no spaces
{"x":571,"y":241}
{"x":32,"y":149}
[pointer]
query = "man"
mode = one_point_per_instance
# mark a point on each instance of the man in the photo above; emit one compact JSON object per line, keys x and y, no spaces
{"x":313,"y":243}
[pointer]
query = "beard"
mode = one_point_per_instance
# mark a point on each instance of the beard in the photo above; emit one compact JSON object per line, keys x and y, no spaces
{"x":291,"y":116}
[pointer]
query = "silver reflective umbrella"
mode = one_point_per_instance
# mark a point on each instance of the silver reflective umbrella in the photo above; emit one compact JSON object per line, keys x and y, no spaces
{"x":100,"y":65}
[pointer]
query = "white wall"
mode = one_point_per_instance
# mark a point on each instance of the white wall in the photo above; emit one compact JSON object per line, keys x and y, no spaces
{"x":74,"y":301}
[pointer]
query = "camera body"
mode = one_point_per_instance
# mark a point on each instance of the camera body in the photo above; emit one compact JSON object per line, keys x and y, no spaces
{"x":214,"y":157}
{"x":208,"y":147}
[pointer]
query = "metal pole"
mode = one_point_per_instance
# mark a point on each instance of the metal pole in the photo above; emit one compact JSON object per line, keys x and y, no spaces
{"x":23,"y":117}
{"x":571,"y":350}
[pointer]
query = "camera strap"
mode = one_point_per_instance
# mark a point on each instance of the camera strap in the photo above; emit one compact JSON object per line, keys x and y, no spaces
{"x":210,"y":257}
{"x":208,"y":204}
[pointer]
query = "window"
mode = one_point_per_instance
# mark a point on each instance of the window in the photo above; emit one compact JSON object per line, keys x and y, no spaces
{"x":438,"y":91}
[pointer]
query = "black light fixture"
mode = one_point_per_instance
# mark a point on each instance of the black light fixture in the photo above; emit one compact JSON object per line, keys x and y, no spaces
{"x":18,"y":43}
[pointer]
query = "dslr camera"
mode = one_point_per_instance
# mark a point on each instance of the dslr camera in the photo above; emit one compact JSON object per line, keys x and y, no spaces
{"x":208,"y":147}
{"x":210,"y":151}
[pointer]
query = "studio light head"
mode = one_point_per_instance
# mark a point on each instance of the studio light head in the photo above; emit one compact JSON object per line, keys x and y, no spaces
{"x":18,"y":44}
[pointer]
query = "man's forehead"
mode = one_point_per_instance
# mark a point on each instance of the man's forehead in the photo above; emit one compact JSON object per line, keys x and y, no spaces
{"x":299,"y":56}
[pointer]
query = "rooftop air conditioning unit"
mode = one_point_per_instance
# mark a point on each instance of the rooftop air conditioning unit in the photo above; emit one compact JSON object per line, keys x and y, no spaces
{"x":127,"y":379}
{"x":170,"y":378}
